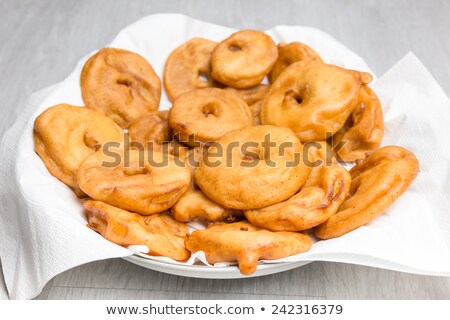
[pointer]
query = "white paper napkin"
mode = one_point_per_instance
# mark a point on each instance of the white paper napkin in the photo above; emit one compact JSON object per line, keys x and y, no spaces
{"x":42,"y":226}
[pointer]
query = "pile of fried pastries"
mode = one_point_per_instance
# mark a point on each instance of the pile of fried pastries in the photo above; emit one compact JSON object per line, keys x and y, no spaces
{"x":251,"y":147}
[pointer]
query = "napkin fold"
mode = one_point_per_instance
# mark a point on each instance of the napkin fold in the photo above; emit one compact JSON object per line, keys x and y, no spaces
{"x":42,"y":225}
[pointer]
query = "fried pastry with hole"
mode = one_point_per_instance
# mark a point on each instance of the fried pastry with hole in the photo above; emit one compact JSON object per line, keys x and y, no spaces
{"x":243,"y":59}
{"x":253,"y":167}
{"x":205,"y":115}
{"x":319,"y":198}
{"x":64,"y":135}
{"x":142,"y":182}
{"x":312,"y":98}
{"x":120,"y":84}
{"x":188,"y":67}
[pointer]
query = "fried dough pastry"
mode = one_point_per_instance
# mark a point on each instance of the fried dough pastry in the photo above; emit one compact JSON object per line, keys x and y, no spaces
{"x":255,"y":109}
{"x":152,"y":131}
{"x":243,"y":59}
{"x":120,"y":84}
{"x":188,"y":67}
{"x":142,"y":182}
{"x":245,"y":244}
{"x":205,"y":115}
{"x":251,"y":95}
{"x":253,"y":167}
{"x":290,"y":53}
{"x":159,"y":232}
{"x":320,"y":197}
{"x":312,"y":98}
{"x":363,"y":130}
{"x":64,"y":135}
{"x":194,"y":204}
{"x":377,"y":182}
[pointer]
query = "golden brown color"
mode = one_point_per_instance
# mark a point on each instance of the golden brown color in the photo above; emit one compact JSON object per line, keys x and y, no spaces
{"x":194,"y":204}
{"x":120,"y":84}
{"x":188,"y":67}
{"x":312,"y":98}
{"x":64,"y":135}
{"x":242,"y":171}
{"x":363,"y":130}
{"x":246,"y":244}
{"x":255,"y":109}
{"x":320,"y":197}
{"x":206,"y":115}
{"x":152,"y":131}
{"x":377,"y":182}
{"x":243,"y":59}
{"x":290,"y":53}
{"x":251,"y":95}
{"x":142,"y":182}
{"x":159,"y":232}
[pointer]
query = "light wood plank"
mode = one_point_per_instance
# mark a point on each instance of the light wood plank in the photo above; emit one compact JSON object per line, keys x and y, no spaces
{"x":70,"y":293}
{"x":120,"y":274}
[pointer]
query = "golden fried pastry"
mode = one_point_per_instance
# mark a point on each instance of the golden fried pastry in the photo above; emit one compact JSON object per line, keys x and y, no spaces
{"x":195,"y":205}
{"x":188,"y":67}
{"x":253,"y":167}
{"x":245,"y":244}
{"x":120,"y":84}
{"x":363,"y":130}
{"x":320,"y":197}
{"x":152,"y":131}
{"x":312,"y":98}
{"x":255,"y":109}
{"x":64,"y":135}
{"x":142,"y":182}
{"x":159,"y":232}
{"x":207,"y":114}
{"x":251,"y":95}
{"x":377,"y":182}
{"x":243,"y":59}
{"x":290,"y":53}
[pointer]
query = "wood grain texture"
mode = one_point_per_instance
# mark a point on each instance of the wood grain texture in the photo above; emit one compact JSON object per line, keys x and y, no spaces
{"x":43,"y":40}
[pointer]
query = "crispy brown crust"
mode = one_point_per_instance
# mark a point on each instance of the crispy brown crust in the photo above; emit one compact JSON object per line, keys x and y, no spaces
{"x":64,"y":135}
{"x":120,"y":84}
{"x":246,"y":244}
{"x":159,"y":232}
{"x":312,"y":98}
{"x":188,"y":67}
{"x":243,"y":59}
{"x":149,"y":183}
{"x":363,"y":131}
{"x":377,"y":182}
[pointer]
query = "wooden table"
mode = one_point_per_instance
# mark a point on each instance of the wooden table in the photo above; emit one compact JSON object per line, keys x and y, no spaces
{"x":42,"y":40}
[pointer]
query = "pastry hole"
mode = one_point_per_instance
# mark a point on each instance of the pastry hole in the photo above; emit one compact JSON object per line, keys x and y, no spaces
{"x":210,"y":109}
{"x":91,"y":142}
{"x":203,"y":76}
{"x":135,"y":171}
{"x":294,"y":97}
{"x":234,"y":48}
{"x":124,"y":82}
{"x":255,"y":154}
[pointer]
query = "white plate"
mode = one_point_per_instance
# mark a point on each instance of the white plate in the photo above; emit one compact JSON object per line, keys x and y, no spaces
{"x":207,"y":272}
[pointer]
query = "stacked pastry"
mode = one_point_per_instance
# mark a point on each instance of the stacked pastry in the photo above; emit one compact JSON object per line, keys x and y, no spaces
{"x":258,"y":162}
